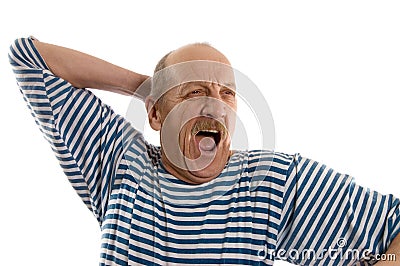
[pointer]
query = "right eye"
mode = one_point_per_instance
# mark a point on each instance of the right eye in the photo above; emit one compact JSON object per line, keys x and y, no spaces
{"x":195,"y":92}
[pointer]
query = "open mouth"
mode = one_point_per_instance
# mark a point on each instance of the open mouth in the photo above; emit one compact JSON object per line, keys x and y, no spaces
{"x":209,"y":133}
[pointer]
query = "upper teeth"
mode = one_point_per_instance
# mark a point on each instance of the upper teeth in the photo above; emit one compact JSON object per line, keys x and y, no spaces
{"x":209,"y":130}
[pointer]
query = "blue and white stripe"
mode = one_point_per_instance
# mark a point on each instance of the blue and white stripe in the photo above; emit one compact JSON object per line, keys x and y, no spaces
{"x":148,"y":217}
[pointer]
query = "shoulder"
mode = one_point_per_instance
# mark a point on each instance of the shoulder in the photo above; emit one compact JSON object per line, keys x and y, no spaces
{"x":263,"y":165}
{"x":267,"y":157}
{"x":23,"y":54}
{"x":138,"y":150}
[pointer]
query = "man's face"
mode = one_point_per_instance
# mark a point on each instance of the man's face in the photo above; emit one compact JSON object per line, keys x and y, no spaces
{"x":197,"y":120}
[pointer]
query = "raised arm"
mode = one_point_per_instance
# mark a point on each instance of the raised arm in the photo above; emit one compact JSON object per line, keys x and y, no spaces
{"x":86,"y":71}
{"x":86,"y":135}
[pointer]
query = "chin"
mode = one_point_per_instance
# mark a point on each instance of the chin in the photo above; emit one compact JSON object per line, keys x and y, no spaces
{"x":210,"y":172}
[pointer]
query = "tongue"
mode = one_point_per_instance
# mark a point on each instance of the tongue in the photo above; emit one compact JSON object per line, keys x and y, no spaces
{"x":207,"y":144}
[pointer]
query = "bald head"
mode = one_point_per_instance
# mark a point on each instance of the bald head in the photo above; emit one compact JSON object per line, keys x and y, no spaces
{"x":192,"y":62}
{"x":191,"y":52}
{"x":197,"y":51}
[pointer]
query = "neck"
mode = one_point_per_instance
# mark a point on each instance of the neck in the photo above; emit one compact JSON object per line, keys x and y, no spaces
{"x":196,"y":177}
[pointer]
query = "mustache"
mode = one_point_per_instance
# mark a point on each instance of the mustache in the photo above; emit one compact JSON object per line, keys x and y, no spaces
{"x":209,"y":124}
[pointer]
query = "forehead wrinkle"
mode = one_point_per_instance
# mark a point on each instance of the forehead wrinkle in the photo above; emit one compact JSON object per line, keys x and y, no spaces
{"x":206,"y":83}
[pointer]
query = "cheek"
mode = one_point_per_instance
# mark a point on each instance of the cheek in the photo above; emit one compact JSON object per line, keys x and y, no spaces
{"x":164,"y":110}
{"x":233,"y":105}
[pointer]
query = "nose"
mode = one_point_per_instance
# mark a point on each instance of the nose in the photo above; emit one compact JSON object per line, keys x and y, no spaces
{"x":213,"y":108}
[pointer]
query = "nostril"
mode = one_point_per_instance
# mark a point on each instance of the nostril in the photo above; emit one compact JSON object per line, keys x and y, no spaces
{"x":214,"y":110}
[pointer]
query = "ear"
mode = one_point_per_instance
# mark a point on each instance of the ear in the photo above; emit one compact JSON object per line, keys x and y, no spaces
{"x":153,"y":113}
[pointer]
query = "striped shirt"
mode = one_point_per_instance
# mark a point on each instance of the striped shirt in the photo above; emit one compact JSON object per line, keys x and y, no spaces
{"x":263,"y":206}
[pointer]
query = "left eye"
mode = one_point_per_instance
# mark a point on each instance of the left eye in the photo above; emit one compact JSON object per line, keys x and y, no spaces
{"x":229,"y":92}
{"x":196,"y":92}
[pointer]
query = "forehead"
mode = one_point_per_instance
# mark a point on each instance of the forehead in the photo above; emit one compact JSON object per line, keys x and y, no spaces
{"x":192,"y":72}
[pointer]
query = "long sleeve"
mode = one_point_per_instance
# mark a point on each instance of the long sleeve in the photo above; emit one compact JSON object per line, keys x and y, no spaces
{"x":328,"y":219}
{"x":85,"y":134}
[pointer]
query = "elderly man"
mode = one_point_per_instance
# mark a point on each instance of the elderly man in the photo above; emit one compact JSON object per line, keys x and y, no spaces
{"x":192,"y":200}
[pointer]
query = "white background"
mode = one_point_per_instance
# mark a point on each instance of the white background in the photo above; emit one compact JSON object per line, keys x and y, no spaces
{"x":329,"y":71}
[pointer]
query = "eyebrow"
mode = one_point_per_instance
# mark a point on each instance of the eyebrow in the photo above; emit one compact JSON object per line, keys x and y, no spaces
{"x":183,"y":86}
